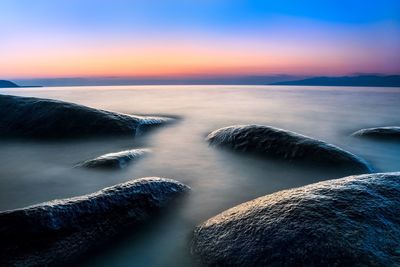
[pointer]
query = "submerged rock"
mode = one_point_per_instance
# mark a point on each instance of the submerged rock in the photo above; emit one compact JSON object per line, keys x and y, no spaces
{"x":284,"y":144}
{"x":116,"y":160}
{"x":389,"y":132}
{"x":353,"y":221}
{"x":46,"y":118}
{"x":62,"y":230}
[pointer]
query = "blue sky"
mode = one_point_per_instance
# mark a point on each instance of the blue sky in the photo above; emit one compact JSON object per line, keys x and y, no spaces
{"x":33,"y":28}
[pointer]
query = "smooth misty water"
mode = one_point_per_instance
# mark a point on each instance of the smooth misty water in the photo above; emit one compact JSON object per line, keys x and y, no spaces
{"x":32,"y":172}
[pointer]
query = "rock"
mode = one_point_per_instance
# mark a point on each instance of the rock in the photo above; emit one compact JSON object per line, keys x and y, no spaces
{"x":118,"y":160}
{"x":390,"y":132}
{"x":278,"y":143}
{"x":44,"y":118}
{"x":352,"y":221}
{"x":60,"y":231}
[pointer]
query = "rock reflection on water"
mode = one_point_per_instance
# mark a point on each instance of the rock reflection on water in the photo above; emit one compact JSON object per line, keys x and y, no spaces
{"x":33,"y":172}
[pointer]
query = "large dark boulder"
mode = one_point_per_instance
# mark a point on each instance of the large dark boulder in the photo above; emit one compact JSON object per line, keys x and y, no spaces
{"x":117,"y":160}
{"x":352,"y":221}
{"x":60,"y":231}
{"x":282,"y":144}
{"x":389,"y":132}
{"x":46,"y":118}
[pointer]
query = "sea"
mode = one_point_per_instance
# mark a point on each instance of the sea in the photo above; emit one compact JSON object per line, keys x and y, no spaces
{"x":36,"y":171}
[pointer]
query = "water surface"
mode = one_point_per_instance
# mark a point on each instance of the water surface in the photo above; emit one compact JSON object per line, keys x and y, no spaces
{"x":32,"y":172}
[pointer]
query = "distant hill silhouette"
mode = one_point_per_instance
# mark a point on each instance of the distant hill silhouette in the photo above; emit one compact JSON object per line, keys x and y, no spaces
{"x":281,"y":79}
{"x":7,"y":84}
{"x":360,"y":80}
{"x":178,"y":80}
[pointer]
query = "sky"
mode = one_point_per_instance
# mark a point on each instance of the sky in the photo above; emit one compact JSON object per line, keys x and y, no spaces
{"x":169,"y":38}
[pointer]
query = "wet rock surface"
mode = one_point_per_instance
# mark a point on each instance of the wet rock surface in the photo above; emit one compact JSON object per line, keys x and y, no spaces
{"x":281,"y":144}
{"x":390,"y":132}
{"x":45,"y":118}
{"x":117,"y":160}
{"x":59,"y":231}
{"x":352,"y":221}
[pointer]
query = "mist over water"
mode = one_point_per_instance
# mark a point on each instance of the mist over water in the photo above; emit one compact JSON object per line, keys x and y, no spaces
{"x":33,"y":172}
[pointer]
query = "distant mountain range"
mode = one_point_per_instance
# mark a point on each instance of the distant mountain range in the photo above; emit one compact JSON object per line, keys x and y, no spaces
{"x":356,"y":80}
{"x":7,"y":84}
{"x":179,"y":80}
{"x":361,"y":80}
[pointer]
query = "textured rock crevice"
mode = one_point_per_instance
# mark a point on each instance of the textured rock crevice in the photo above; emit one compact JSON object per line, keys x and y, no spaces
{"x":352,"y":221}
{"x":61,"y":230}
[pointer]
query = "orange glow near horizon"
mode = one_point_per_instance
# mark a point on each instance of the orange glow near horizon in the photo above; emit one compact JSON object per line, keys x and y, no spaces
{"x":180,"y":57}
{"x":61,"y":39}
